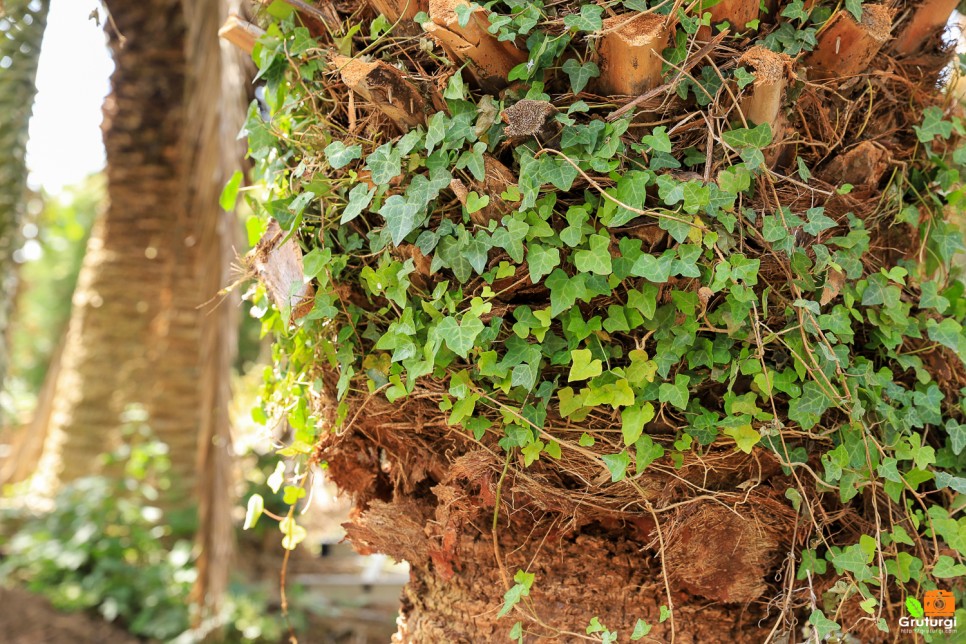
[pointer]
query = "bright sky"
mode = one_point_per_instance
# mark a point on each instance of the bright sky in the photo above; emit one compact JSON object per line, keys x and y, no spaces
{"x":73,"y":79}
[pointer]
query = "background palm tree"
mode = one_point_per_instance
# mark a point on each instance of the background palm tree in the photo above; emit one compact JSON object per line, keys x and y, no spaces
{"x":22,"y":25}
{"x":143,"y":330}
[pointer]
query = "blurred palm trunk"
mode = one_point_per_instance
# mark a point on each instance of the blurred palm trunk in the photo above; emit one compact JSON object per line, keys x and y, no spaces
{"x":22,"y":25}
{"x":142,"y":331}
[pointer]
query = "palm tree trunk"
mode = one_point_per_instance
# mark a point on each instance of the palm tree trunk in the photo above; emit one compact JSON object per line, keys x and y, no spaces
{"x":147,"y":328}
{"x":124,"y":286}
{"x":217,"y":97}
{"x":20,"y":45}
{"x":465,"y":463}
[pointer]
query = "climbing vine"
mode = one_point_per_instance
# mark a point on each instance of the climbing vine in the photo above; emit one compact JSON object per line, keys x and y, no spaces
{"x":586,"y":288}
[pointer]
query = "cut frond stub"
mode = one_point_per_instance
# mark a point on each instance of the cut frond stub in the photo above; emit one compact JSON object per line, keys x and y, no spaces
{"x":846,"y":47}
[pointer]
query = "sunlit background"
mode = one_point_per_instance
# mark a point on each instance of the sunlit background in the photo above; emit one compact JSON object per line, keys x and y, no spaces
{"x":72,"y":80}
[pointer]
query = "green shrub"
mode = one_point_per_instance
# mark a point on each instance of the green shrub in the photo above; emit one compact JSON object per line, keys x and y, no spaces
{"x":105,"y":545}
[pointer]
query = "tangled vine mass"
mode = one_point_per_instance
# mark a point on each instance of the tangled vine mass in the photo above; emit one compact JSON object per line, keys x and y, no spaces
{"x":622,"y":320}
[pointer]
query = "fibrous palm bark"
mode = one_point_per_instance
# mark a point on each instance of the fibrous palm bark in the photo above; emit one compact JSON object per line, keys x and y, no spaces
{"x":576,"y":435}
{"x":22,"y":25}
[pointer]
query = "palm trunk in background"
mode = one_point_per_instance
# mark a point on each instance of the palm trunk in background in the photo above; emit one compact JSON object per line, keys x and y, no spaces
{"x":141,"y":331}
{"x":22,"y":25}
{"x":217,"y":96}
{"x":123,"y":288}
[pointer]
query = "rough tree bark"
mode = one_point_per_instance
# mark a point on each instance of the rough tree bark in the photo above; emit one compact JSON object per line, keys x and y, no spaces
{"x":712,"y":535}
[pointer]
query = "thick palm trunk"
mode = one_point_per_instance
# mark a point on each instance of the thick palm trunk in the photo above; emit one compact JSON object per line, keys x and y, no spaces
{"x":600,"y":332}
{"x":124,"y":288}
{"x":148,"y":327}
{"x":589,"y":558}
{"x":20,"y":38}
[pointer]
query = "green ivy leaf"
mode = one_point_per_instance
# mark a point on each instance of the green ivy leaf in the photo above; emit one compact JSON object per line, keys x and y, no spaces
{"x":531,"y":452}
{"x":339,"y":155}
{"x":947,"y":568}
{"x":476,"y":203}
{"x":633,"y":420}
{"x":510,"y":238}
{"x":957,"y":436}
{"x":745,"y":436}
{"x":385,"y":164}
{"x":822,"y":624}
{"x":658,"y":140}
{"x":854,"y":7}
{"x":589,"y":18}
{"x":944,"y":480}
{"x":641,"y":628}
{"x":359,"y":199}
{"x":758,"y":137}
{"x":435,"y":131}
{"x":947,"y":333}
{"x":541,"y":260}
{"x":743,"y":77}
{"x":734,"y":180}
{"x":631,"y":191}
{"x":584,"y":366}
{"x":914,"y":607}
{"x":647,"y":452}
{"x":463,"y":13}
{"x":616,"y":465}
{"x":459,"y":336}
{"x":933,"y":125}
{"x":455,"y":88}
{"x":596,"y":260}
{"x":292,"y":493}
{"x":803,"y":172}
{"x":580,"y":73}
{"x":229,"y":195}
{"x":854,"y":558}
{"x":556,"y":171}
{"x":868,"y":605}
{"x":931,"y":299}
{"x":402,"y":217}
{"x":807,"y":409}
{"x":519,"y":590}
{"x":679,"y":230}
{"x":564,"y":291}
{"x":315,"y":261}
{"x":473,"y":161}
{"x":294,"y":534}
{"x":817,"y":221}
{"x":796,"y":10}
{"x":676,"y":394}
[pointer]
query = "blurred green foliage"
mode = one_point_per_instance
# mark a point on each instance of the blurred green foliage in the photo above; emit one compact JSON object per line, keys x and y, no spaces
{"x":105,"y":545}
{"x":56,"y":234}
{"x":102,"y":546}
